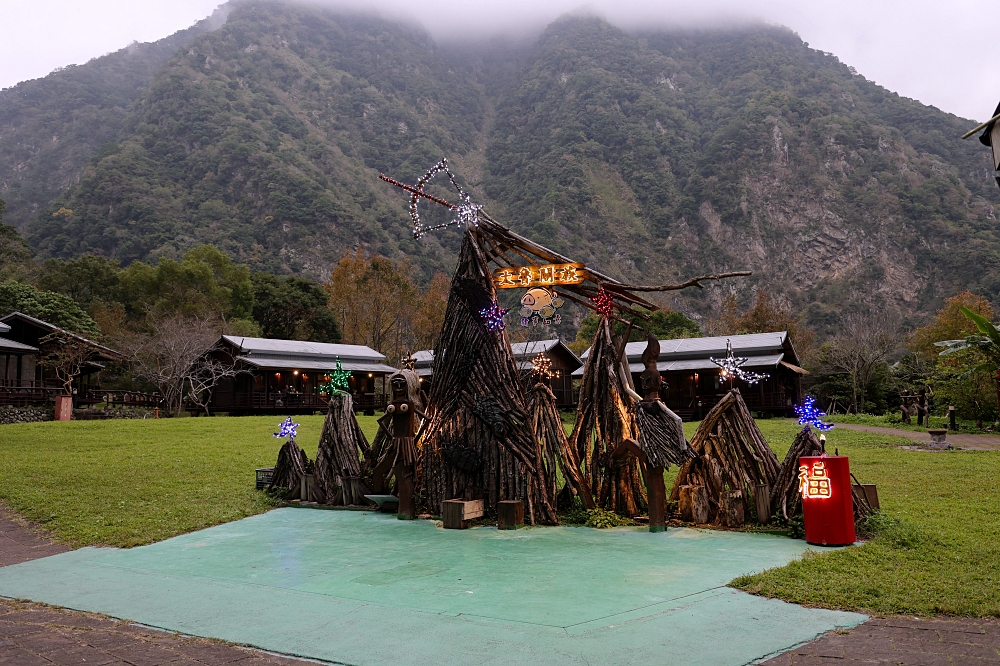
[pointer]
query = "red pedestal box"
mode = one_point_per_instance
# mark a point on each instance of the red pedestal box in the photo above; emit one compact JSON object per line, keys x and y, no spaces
{"x":827,"y":504}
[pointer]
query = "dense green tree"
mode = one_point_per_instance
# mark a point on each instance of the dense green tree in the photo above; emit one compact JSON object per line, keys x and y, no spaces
{"x":15,"y":255}
{"x":292,"y":308}
{"x":89,"y":280}
{"x":48,"y":306}
{"x":204,"y":282}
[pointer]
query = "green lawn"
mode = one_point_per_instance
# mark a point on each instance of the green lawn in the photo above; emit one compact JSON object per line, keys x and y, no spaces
{"x":126,"y":483}
{"x":131,"y":482}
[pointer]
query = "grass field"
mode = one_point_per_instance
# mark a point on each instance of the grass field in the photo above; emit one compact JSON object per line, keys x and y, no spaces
{"x":126,"y":483}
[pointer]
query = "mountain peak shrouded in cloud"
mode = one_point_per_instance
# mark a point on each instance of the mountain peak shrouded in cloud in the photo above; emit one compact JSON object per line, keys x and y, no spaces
{"x":925,"y":50}
{"x":646,"y":153}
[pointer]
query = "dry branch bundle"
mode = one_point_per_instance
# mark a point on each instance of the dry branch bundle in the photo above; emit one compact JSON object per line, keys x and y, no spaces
{"x":291,"y":466}
{"x":342,"y":447}
{"x":733,"y":458}
{"x":603,"y":421}
{"x":478,"y":443}
{"x":554,"y":447}
{"x":785,"y":497}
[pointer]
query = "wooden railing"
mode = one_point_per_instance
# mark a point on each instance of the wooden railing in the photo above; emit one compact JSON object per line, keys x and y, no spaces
{"x":270,"y":402}
{"x":122,"y":398}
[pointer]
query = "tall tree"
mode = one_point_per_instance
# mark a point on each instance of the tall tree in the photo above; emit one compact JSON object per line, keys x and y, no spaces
{"x":56,"y":309}
{"x":950,"y":323}
{"x":767,"y":314}
{"x":292,"y":308}
{"x":89,"y":280}
{"x":374,"y":301}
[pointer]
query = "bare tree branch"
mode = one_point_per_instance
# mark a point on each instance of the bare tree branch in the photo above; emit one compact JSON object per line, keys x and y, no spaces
{"x":693,"y":282}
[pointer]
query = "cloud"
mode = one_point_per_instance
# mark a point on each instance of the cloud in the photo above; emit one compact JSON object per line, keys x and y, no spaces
{"x":939,"y":53}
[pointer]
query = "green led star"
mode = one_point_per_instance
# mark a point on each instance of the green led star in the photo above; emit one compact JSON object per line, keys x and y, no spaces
{"x":338,"y":381}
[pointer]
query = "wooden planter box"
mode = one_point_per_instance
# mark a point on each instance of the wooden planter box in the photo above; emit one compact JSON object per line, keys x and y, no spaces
{"x":456,"y":514}
{"x":510,"y":514}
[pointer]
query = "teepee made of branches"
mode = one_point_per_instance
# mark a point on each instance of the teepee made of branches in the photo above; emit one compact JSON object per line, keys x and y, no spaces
{"x":786,"y":500}
{"x":478,"y":442}
{"x":733,"y":458}
{"x":342,"y":447}
{"x":291,"y":466}
{"x":553,"y":445}
{"x":603,"y":420}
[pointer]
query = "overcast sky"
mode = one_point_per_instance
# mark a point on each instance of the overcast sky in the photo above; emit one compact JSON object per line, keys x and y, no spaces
{"x":941,"y":53}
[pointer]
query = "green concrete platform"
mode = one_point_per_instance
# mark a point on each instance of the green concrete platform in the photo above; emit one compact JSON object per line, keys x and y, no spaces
{"x":364,"y":588}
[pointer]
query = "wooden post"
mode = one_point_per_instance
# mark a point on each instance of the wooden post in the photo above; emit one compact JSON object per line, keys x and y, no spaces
{"x":693,"y":504}
{"x":510,"y":514}
{"x":456,"y":514}
{"x":657,"y":499}
{"x":404,"y":485}
{"x":951,"y":419}
{"x":64,"y":407}
{"x":762,"y":500}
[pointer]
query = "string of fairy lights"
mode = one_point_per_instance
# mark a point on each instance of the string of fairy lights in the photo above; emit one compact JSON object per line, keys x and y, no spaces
{"x":466,"y":212}
{"x":810,"y":414}
{"x":287,"y":429}
{"x":731,"y":367}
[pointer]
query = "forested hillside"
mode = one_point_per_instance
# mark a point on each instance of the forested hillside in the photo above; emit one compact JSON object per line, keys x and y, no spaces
{"x":649,"y":155}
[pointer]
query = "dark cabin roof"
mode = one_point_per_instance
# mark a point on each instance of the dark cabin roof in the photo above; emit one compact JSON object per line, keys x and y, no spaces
{"x":764,"y":350}
{"x":523,"y":353}
{"x":304,"y":355}
{"x":39,"y":329}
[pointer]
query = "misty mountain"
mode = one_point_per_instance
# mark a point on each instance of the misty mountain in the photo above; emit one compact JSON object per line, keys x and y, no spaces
{"x":648,"y":155}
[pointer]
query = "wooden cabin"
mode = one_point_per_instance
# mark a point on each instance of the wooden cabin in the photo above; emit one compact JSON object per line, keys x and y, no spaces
{"x":24,"y":379}
{"x":564,"y":364}
{"x":694,"y":381}
{"x":284,"y":376}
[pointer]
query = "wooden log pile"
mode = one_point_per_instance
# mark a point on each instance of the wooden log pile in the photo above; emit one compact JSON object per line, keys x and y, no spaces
{"x":554,"y":448}
{"x":786,"y":500}
{"x":733,"y":461}
{"x":604,"y":419}
{"x":292,"y":465}
{"x":477,"y":442}
{"x":342,"y":447}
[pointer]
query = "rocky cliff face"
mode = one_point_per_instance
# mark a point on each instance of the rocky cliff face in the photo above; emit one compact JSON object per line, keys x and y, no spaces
{"x":650,"y":156}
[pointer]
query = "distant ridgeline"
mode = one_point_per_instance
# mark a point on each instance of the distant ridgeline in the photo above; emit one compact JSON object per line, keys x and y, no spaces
{"x":263,"y":129}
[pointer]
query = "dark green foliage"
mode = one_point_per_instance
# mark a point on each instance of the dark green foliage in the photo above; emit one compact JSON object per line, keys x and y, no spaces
{"x":48,"y":306}
{"x":15,"y":255}
{"x":88,"y":280}
{"x":650,"y":156}
{"x":292,"y":308}
{"x":665,"y":325}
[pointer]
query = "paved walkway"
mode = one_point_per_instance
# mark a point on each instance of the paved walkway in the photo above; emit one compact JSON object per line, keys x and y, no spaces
{"x":956,"y":439}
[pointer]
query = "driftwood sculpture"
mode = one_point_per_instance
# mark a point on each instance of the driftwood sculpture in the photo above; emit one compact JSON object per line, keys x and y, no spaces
{"x":395,"y":446}
{"x":554,"y":447}
{"x":477,"y":442}
{"x":292,"y":465}
{"x":342,"y":447}
{"x":661,"y":436}
{"x":604,"y":420}
{"x":785,"y":498}
{"x":720,"y":485}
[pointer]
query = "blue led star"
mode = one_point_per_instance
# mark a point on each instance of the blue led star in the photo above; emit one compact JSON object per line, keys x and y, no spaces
{"x":286,"y":429}
{"x":809,"y":414}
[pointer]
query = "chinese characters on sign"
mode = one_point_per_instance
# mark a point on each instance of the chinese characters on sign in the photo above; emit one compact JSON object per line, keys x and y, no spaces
{"x":814,"y":484}
{"x":538,"y":276}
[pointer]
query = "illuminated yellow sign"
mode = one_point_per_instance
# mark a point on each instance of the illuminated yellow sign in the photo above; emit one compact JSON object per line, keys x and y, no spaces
{"x":814,"y":484}
{"x":538,"y":276}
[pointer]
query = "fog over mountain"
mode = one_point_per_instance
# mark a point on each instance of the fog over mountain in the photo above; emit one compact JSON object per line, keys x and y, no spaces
{"x":942,"y":54}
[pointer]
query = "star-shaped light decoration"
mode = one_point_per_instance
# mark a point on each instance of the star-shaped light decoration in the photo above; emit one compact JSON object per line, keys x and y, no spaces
{"x":604,"y":303}
{"x":809,"y":414}
{"x":493,"y":316}
{"x":286,"y":429}
{"x":731,"y":367}
{"x":466,"y":213}
{"x":338,"y":383}
{"x":541,"y":365}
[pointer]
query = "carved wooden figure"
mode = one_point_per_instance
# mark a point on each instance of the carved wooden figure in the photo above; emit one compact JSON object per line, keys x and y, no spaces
{"x":400,"y":456}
